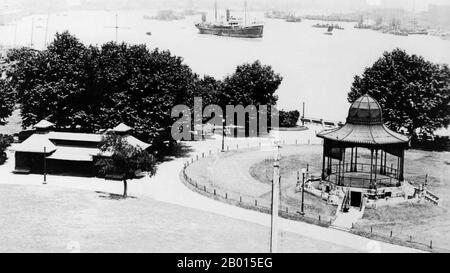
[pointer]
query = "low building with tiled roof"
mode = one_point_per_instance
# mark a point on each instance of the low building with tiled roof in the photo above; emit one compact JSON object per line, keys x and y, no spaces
{"x":65,"y":152}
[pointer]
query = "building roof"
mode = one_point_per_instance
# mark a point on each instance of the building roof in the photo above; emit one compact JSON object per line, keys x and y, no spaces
{"x":364,"y":126}
{"x":136,"y":142}
{"x":35,"y":144}
{"x":365,"y":110}
{"x":377,"y":134}
{"x":43,"y":124}
{"x":121,"y":128}
{"x":74,"y":153}
{"x":75,"y":136}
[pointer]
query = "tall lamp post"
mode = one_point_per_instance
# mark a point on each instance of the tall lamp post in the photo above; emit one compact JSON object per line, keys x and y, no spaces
{"x":45,"y":166}
{"x":275,"y":202}
{"x":302,"y":211}
{"x":223,"y":134}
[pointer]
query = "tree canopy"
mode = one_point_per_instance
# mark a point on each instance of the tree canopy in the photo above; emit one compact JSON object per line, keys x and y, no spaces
{"x":5,"y":142}
{"x":289,"y":118}
{"x":92,"y":88}
{"x":414,"y":93}
{"x":125,"y":161}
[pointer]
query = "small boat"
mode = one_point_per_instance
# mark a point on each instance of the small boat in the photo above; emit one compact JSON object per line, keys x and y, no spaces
{"x":148,"y":33}
{"x":329,"y":31}
{"x":293,"y":19}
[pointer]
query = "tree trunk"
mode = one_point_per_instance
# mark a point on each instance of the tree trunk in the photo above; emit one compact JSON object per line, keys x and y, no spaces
{"x":124,"y":188}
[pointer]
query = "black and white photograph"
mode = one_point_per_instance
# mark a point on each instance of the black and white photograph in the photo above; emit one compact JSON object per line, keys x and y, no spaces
{"x":224,"y":126}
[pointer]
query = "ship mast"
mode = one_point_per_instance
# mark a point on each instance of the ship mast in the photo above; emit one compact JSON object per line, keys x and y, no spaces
{"x":215,"y":10}
{"x":32,"y":31}
{"x":245,"y":12}
{"x":46,"y":29}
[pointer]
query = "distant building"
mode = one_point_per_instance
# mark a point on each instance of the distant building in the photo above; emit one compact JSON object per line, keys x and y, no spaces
{"x":65,"y":152}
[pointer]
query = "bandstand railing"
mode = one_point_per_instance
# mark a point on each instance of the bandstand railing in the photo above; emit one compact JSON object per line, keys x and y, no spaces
{"x":339,"y":173}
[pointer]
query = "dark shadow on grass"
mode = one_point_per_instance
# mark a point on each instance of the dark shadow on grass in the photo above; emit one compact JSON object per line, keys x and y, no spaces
{"x":113,"y":196}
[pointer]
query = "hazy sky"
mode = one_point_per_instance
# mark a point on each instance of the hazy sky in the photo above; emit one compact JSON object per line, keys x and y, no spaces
{"x":417,"y":5}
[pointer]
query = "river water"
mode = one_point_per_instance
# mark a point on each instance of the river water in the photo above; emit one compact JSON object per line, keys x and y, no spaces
{"x":317,"y":69}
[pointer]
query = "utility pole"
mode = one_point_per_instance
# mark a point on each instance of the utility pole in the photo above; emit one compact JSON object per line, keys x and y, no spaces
{"x":304,"y":171}
{"x":45,"y":166}
{"x":275,"y":202}
{"x":223,"y":135}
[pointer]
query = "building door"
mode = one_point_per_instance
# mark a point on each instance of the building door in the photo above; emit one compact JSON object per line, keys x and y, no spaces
{"x":355,"y":199}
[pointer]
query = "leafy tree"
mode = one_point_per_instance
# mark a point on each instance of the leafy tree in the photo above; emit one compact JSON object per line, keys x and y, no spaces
{"x":91,"y":88}
{"x":414,"y":93}
{"x":289,"y":118}
{"x":251,"y":84}
{"x":126,"y":161}
{"x":7,"y":99}
{"x":5,"y":141}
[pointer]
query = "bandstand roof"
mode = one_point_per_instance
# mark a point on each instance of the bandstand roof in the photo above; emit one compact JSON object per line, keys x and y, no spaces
{"x":364,"y":126}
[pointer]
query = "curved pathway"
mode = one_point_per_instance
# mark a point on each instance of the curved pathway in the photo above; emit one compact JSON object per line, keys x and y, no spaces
{"x":166,"y":186}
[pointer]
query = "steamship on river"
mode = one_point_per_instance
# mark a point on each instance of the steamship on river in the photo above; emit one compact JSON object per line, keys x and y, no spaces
{"x":232,"y":27}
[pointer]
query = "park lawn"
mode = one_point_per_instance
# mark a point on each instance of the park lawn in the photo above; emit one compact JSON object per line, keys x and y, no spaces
{"x":248,"y":174}
{"x":289,"y":165}
{"x":424,"y":222}
{"x":52,"y":219}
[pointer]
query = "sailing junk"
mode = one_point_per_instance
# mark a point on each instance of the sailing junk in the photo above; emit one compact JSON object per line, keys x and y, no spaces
{"x":232,"y":27}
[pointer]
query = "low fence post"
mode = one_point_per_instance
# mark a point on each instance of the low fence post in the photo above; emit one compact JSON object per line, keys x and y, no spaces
{"x":370,"y":229}
{"x":240,"y":199}
{"x":214,"y":191}
{"x":431,"y":244}
{"x":203,"y":154}
{"x":391,"y":233}
{"x":226,"y":195}
{"x":204,"y":188}
{"x":319,"y":218}
{"x":256,"y":203}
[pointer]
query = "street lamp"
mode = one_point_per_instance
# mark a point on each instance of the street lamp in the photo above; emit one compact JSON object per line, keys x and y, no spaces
{"x":302,"y":212}
{"x":223,"y":134}
{"x":45,"y":166}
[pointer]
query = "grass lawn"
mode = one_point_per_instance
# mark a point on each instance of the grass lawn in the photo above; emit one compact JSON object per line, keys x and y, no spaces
{"x":424,"y":222}
{"x":293,"y":159}
{"x":52,"y":219}
{"x":249,"y":174}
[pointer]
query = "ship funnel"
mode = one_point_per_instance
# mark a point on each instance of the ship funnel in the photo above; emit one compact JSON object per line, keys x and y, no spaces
{"x":228,"y":15}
